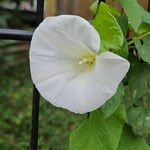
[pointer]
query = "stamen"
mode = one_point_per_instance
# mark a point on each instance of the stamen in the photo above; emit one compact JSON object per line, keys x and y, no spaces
{"x":88,"y":59}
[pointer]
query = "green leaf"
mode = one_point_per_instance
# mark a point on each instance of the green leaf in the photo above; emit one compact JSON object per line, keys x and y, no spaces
{"x":97,"y":133}
{"x":144,"y":48}
{"x":136,"y":14}
{"x":145,"y":16}
{"x":108,"y":28}
{"x":123,"y":22}
{"x":112,"y":104}
{"x":143,"y":28}
{"x":131,"y":142}
{"x":139,"y":85}
{"x":94,"y":7}
{"x":124,"y":50}
{"x":143,"y":45}
{"x":114,"y":11}
{"x":139,"y":119}
{"x":133,"y":12}
{"x":138,"y":78}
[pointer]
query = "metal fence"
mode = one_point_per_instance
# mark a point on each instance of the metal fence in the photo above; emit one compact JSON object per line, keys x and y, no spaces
{"x":26,"y":35}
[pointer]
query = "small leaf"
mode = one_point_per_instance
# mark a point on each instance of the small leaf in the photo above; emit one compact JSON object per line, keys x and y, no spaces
{"x":139,"y":85}
{"x":133,"y":11}
{"x":131,"y":142}
{"x":123,"y":22}
{"x":136,"y":14}
{"x":144,"y":48}
{"x":94,"y":7}
{"x":143,"y":28}
{"x":112,"y":104}
{"x":108,"y":28}
{"x":124,"y":50}
{"x":139,"y":119}
{"x":138,"y":78}
{"x":114,"y":11}
{"x":145,"y":16}
{"x":97,"y":133}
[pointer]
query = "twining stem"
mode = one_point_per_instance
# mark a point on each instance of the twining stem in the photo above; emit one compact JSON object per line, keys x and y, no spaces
{"x":138,"y":38}
{"x":88,"y":115}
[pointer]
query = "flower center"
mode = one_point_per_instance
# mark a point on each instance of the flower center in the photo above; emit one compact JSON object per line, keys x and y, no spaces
{"x":88,"y":59}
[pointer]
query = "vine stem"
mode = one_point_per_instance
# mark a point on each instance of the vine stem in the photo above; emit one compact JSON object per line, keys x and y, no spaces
{"x":138,"y":38}
{"x":88,"y":115}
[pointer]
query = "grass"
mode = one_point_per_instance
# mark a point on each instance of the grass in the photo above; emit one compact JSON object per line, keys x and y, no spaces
{"x":55,"y":124}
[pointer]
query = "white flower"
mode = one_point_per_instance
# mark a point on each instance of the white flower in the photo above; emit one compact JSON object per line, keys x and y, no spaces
{"x":68,"y":69}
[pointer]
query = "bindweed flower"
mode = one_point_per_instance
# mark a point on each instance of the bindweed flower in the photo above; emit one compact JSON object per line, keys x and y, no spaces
{"x":67,"y":67}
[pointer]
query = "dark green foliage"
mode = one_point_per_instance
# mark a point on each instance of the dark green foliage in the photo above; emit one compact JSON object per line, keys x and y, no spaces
{"x":139,"y":120}
{"x":97,"y":133}
{"x":137,"y":99}
{"x":129,"y":141}
{"x":113,"y":103}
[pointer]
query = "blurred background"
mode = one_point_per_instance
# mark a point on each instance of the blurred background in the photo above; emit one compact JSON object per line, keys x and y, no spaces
{"x":15,"y":83}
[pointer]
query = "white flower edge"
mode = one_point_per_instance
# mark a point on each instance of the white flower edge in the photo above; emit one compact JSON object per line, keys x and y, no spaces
{"x":66,"y":66}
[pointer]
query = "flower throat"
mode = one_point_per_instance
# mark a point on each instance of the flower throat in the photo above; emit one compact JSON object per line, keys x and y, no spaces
{"x":88,"y":60}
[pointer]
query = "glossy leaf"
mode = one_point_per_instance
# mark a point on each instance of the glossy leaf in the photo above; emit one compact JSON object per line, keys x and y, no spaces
{"x":138,"y":118}
{"x":143,"y":28}
{"x":123,"y":22}
{"x":136,"y":14}
{"x":115,"y":12}
{"x":124,"y":50}
{"x":97,"y":133}
{"x":112,"y":105}
{"x":144,"y":48}
{"x":138,"y":78}
{"x":94,"y":7}
{"x":108,"y":28}
{"x":129,"y":141}
{"x":145,"y":16}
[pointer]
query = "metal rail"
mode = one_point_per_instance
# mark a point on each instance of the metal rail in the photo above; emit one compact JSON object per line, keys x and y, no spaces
{"x":25,"y":35}
{"x":14,"y":34}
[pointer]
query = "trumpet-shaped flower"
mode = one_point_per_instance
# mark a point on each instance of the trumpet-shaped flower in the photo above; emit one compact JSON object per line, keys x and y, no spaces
{"x":67,"y":67}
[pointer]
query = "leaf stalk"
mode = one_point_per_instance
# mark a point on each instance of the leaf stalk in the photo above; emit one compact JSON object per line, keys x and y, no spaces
{"x":138,"y":38}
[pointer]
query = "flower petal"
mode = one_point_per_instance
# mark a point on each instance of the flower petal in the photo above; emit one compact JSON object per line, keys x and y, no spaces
{"x":103,"y":81}
{"x":57,"y":46}
{"x":46,"y":67}
{"x":83,"y":94}
{"x":109,"y":70}
{"x":65,"y":36}
{"x":64,"y":90}
{"x":83,"y":91}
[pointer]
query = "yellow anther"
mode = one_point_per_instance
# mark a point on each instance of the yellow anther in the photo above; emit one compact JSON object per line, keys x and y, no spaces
{"x":88,"y":59}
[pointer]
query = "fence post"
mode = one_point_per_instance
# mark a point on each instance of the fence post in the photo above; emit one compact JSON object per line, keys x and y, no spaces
{"x":36,"y":95}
